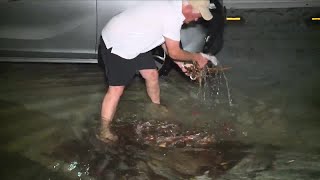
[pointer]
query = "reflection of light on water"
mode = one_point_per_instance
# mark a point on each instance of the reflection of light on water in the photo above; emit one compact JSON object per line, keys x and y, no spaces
{"x":56,"y":165}
{"x":72,"y":165}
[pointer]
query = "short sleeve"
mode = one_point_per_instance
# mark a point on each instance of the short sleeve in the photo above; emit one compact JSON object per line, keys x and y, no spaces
{"x":172,"y":28}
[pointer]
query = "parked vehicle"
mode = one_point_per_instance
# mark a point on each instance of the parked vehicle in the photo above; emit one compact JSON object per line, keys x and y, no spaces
{"x":68,"y":31}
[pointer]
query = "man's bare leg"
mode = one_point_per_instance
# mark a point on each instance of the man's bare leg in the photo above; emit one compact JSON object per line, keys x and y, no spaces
{"x":109,"y":107}
{"x":151,"y":77}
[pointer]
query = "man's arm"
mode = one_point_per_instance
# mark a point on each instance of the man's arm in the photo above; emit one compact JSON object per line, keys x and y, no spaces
{"x":176,"y":53}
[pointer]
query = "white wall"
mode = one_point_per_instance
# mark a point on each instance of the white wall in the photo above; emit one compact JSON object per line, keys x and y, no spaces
{"x":240,"y":4}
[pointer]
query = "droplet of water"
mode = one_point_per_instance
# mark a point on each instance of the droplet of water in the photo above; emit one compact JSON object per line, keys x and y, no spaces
{"x":72,"y":166}
{"x":56,"y":165}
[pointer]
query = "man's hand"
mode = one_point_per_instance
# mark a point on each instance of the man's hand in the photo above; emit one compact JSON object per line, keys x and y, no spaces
{"x":202,"y":61}
{"x":176,"y":53}
{"x":182,"y":66}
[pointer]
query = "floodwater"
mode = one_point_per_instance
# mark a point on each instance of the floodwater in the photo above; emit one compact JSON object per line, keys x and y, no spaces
{"x":260,"y":120}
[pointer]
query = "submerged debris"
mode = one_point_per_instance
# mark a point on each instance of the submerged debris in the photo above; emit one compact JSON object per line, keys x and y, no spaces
{"x":165,"y":134}
{"x":149,"y":150}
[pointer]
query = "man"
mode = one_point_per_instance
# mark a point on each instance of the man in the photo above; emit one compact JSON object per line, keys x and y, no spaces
{"x":126,"y":43}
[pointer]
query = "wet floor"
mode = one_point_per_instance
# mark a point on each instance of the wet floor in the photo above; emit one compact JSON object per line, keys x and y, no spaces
{"x":260,"y":120}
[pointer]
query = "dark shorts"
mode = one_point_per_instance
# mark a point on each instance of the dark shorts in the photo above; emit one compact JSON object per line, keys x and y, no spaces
{"x":120,"y":71}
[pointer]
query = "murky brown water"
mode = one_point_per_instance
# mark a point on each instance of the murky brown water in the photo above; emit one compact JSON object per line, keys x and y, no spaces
{"x":148,"y":150}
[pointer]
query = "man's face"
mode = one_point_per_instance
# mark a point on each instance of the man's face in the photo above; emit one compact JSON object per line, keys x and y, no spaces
{"x":190,"y":14}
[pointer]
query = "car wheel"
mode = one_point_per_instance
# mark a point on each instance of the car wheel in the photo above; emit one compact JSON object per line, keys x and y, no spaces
{"x":163,"y":62}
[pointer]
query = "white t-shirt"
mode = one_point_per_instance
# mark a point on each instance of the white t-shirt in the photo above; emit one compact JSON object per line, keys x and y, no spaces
{"x":143,"y":27}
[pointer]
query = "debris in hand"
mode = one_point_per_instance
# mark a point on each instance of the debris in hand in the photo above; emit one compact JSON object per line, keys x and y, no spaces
{"x":197,"y":74}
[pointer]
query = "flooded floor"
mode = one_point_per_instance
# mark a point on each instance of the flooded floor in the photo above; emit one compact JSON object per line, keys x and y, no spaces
{"x":259,"y":120}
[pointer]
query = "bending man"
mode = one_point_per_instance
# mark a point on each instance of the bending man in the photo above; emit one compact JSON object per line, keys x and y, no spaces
{"x":126,"y":43}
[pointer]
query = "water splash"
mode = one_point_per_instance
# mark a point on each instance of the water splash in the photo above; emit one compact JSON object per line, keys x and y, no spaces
{"x":211,"y":86}
{"x":228,"y":89}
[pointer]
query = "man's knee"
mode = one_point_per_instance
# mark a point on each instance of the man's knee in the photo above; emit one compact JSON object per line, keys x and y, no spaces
{"x":116,"y":90}
{"x":150,"y":74}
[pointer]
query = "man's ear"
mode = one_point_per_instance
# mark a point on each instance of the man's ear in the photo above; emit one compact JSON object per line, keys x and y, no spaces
{"x":187,"y":9}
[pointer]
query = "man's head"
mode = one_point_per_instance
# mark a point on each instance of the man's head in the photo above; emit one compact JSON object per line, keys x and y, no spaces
{"x":194,"y":9}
